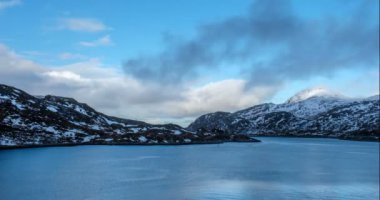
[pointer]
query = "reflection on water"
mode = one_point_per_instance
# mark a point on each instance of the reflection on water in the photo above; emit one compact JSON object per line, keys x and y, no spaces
{"x":277,"y":168}
{"x":228,"y":189}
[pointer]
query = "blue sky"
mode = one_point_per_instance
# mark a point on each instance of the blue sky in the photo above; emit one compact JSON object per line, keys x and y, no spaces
{"x":171,"y":60}
{"x":134,"y":26}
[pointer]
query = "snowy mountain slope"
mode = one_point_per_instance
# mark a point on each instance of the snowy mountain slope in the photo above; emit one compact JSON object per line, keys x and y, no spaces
{"x":314,"y":92}
{"x":312,"y":106}
{"x":309,"y":113}
{"x":30,"y":120}
{"x":355,"y":116}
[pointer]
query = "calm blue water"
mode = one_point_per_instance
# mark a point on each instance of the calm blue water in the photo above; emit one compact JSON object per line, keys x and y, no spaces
{"x":277,"y":168}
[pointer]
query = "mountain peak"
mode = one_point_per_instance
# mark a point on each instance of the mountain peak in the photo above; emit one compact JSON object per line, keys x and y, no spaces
{"x":313,"y":92}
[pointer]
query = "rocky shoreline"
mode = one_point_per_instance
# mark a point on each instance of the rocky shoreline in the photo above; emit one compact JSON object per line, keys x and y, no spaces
{"x":246,"y":140}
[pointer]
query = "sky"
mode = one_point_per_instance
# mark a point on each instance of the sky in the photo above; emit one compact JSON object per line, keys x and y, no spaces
{"x":171,"y":61}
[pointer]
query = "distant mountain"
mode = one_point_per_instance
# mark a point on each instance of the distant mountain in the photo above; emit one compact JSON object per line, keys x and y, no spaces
{"x":27,"y":120}
{"x":314,"y":92}
{"x":313,"y":112}
{"x":374,"y":97}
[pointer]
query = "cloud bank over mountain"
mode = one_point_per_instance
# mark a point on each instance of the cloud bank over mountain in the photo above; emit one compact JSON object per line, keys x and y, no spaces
{"x":112,"y":92}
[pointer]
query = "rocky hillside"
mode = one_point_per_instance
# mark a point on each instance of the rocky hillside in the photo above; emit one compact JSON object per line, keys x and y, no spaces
{"x":26,"y":120}
{"x":313,"y":112}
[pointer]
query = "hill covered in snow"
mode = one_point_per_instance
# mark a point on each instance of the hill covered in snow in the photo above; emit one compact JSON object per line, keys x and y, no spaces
{"x":313,"y":112}
{"x":27,"y":120}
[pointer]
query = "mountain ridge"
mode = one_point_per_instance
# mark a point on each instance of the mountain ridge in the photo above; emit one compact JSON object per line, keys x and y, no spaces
{"x":26,"y":120}
{"x":322,"y":114}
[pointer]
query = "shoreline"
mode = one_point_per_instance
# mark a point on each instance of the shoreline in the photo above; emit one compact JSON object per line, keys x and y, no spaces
{"x":325,"y":137}
{"x":177,"y":144}
{"x":120,"y":144}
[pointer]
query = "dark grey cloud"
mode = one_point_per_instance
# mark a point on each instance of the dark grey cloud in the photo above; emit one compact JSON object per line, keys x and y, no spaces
{"x":324,"y":46}
{"x":274,"y":44}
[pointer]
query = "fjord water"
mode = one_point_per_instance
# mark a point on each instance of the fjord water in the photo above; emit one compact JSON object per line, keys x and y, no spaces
{"x":277,"y":168}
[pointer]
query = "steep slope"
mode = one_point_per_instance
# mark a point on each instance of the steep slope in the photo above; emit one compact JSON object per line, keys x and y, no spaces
{"x":309,"y":113}
{"x":51,"y":120}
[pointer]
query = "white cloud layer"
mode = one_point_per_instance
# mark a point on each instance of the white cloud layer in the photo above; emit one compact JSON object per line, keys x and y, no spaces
{"x":82,"y":25}
{"x":9,"y":4}
{"x":103,"y":41}
{"x":110,"y":91}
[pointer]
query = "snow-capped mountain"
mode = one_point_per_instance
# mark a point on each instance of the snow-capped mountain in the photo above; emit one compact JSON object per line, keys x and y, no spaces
{"x":313,"y":112}
{"x":51,"y":120}
{"x":314,"y":92}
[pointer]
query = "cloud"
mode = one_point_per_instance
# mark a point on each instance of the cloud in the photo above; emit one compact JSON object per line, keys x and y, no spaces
{"x":13,"y":68}
{"x":271,"y":44}
{"x":82,"y":25}
{"x":63,"y":75}
{"x":274,"y":43}
{"x":225,"y":95}
{"x":111,"y":92}
{"x":10,"y":3}
{"x":103,"y":41}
